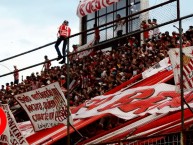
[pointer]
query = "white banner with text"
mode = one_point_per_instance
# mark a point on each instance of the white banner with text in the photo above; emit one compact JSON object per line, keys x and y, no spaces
{"x":12,"y":135}
{"x":46,"y":106}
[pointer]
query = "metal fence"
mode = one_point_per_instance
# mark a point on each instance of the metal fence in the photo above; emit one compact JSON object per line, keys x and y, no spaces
{"x":167,"y":139}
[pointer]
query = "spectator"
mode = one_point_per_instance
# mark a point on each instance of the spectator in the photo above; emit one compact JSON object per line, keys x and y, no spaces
{"x":155,"y":30}
{"x":145,"y":33}
{"x":150,"y":25}
{"x":96,"y":34}
{"x":16,"y":75}
{"x":62,"y":81}
{"x":3,"y":89}
{"x":47,"y":64}
{"x":7,"y":87}
{"x":63,"y":34}
{"x":119,"y":25}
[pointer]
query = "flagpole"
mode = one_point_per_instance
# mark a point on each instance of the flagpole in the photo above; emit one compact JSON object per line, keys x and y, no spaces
{"x":181,"y":84}
{"x":181,"y":74}
{"x":68,"y":97}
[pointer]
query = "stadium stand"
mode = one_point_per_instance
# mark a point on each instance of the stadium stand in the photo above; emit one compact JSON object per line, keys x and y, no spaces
{"x":102,"y":70}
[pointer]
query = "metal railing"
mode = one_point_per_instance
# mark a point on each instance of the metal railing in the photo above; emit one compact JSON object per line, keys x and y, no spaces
{"x":166,"y":139}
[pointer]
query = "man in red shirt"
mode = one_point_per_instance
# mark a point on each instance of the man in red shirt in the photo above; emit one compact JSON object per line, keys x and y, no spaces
{"x":47,"y":64}
{"x":63,"y":34}
{"x":96,"y":34}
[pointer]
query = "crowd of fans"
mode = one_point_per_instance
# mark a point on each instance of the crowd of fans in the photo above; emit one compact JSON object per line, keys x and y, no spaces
{"x":103,"y":70}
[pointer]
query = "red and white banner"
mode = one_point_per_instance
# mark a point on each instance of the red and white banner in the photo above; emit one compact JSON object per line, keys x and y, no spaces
{"x":139,"y":106}
{"x":46,"y":106}
{"x":73,"y":85}
{"x":84,"y":52}
{"x":163,"y":64}
{"x":89,"y":6}
{"x":26,"y":128}
{"x":12,"y":135}
{"x":174,"y":55}
{"x":130,"y":103}
{"x":145,"y":105}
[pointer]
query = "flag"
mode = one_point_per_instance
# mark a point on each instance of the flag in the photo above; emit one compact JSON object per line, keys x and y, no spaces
{"x":187,"y":55}
{"x":12,"y":134}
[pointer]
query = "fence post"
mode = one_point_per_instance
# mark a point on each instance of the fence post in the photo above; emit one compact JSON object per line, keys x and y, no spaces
{"x":68,"y":97}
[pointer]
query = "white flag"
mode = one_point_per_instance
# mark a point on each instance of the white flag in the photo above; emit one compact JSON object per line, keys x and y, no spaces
{"x":187,"y":55}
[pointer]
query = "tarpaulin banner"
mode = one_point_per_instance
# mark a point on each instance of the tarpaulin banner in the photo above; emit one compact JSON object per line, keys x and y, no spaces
{"x":83,"y":50}
{"x":130,"y":103}
{"x":89,"y":6}
{"x":12,"y":135}
{"x":163,"y":64}
{"x":46,"y":106}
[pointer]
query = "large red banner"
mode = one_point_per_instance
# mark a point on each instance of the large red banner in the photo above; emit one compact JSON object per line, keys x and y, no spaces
{"x":130,"y":103}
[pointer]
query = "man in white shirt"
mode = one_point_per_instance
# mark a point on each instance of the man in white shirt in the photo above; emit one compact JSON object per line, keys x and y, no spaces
{"x":119,"y":25}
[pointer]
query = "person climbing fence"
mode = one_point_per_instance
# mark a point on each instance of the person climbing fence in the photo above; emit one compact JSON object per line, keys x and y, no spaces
{"x":63,"y":34}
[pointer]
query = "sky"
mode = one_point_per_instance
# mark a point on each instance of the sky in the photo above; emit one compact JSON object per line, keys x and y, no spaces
{"x":25,"y":25}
